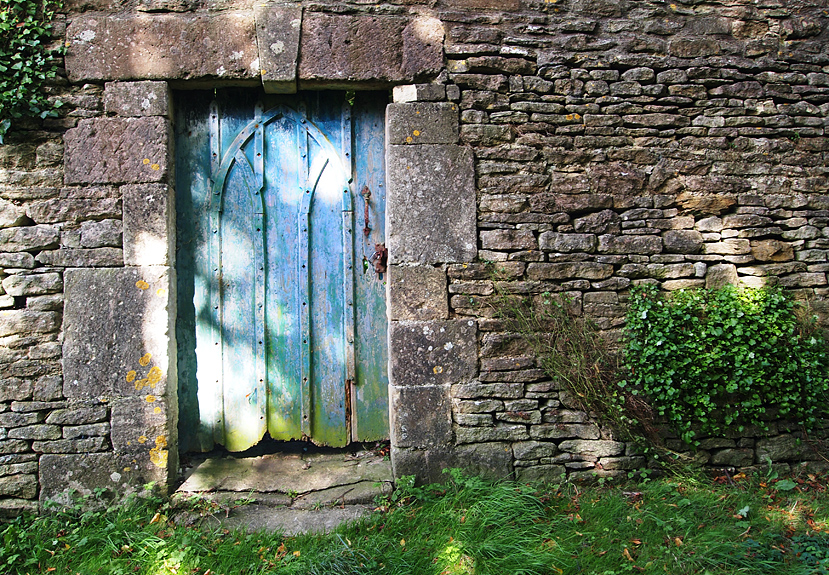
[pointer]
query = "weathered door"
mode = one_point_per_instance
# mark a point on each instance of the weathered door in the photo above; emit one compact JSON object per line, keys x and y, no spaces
{"x":282,"y":321}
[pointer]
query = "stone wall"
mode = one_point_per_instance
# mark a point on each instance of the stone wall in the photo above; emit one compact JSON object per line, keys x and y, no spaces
{"x":584,"y":145}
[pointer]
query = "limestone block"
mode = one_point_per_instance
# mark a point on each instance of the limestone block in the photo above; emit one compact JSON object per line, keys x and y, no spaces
{"x":433,"y":353}
{"x":117,"y":150}
{"x":534,"y":449}
{"x":73,"y":210}
{"x":546,"y":473}
{"x":565,"y":431}
{"x":586,"y":270}
{"x":15,"y":389}
{"x":79,"y":414}
{"x":83,"y":473}
{"x":82,"y":258}
{"x":28,"y":238}
{"x":340,"y":50}
{"x":118,"y":338}
{"x":32,"y":284}
{"x":422,"y":123}
{"x":682,"y":241}
{"x":277,"y":35}
{"x":733,"y":457}
{"x":90,"y":430}
{"x":431,"y":210}
{"x":421,"y":417}
{"x":22,"y":486}
{"x":491,"y":460}
{"x":417,"y":293}
{"x":145,"y":428}
{"x":162,"y":46}
{"x":26,"y":321}
{"x":508,"y":240}
{"x":780,"y":448}
{"x":613,"y":244}
{"x":426,"y":465}
{"x":11,"y":214}
{"x":557,"y":242}
{"x":720,"y":275}
{"x":145,"y":98}
{"x":149,"y":225}
{"x":772,"y":251}
{"x":419,"y":93}
{"x":10,"y":508}
{"x":593,"y":448}
{"x":101,"y":234}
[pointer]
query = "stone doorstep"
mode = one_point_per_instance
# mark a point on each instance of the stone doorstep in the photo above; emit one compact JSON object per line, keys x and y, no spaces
{"x":286,"y":492}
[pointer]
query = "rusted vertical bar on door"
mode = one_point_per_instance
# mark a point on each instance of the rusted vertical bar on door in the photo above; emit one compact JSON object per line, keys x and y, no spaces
{"x":260,"y":365}
{"x":216,"y":417}
{"x":348,"y":262}
{"x":303,"y":285}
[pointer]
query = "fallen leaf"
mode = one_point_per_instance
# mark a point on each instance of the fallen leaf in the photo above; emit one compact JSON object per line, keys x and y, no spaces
{"x":626,"y":553}
{"x":296,"y":553}
{"x":402,"y":542}
{"x":678,"y":541}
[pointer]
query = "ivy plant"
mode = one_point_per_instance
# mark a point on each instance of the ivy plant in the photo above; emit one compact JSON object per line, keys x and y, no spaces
{"x":27,"y":60}
{"x":725,"y":359}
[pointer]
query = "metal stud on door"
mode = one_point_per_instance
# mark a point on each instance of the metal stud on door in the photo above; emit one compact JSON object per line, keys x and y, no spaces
{"x":289,"y":337}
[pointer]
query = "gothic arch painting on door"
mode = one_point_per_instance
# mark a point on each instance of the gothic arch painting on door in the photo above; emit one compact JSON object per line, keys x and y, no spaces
{"x":280,"y":225}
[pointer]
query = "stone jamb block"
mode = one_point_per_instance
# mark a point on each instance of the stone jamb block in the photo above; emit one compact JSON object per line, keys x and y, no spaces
{"x":421,"y":417}
{"x":134,"y":99}
{"x":419,"y":93}
{"x":119,"y":338}
{"x":149,"y":225}
{"x":422,"y":123}
{"x":417,"y":293}
{"x":431,"y":209}
{"x":62,"y":477}
{"x":433,"y":352}
{"x":277,"y":36}
{"x":118,"y":150}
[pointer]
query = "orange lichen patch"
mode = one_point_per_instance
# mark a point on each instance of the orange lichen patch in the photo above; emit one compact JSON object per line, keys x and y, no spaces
{"x":409,"y":139}
{"x":154,"y":376}
{"x":437,"y":369}
{"x":131,"y":376}
{"x":161,"y":292}
{"x":141,"y":284}
{"x":416,"y":132}
{"x":146,"y":161}
{"x":145,"y":359}
{"x":141,"y":384}
{"x":157,"y":410}
{"x":142,"y":439}
{"x":156,"y":167}
{"x":158,"y":454}
{"x":150,"y":399}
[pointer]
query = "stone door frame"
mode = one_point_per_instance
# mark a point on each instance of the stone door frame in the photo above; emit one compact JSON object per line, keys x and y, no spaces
{"x":431,"y":224}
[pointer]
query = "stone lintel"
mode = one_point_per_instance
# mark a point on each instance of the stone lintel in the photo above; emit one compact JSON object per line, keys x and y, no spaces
{"x":431,"y":211}
{"x":277,"y":35}
{"x":118,"y":332}
{"x":422,"y":123}
{"x":341,"y":51}
{"x":149,"y":225}
{"x":117,"y":150}
{"x":162,"y":46}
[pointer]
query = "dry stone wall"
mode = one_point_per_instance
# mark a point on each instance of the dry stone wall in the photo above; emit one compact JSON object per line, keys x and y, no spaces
{"x":584,"y":146}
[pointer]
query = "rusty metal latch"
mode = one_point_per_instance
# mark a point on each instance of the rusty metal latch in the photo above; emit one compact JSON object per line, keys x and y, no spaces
{"x":380,"y":258}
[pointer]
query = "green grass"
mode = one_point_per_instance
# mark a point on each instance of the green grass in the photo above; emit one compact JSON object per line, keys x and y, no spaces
{"x":750,"y":525}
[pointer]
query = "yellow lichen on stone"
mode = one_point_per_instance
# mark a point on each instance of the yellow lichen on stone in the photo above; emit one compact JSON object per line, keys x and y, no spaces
{"x":155,"y":167}
{"x":157,"y":410}
{"x":154,"y":376}
{"x":141,"y":284}
{"x":146,"y":161}
{"x":142,"y":439}
{"x":141,"y":384}
{"x":416,"y":132}
{"x":150,"y":398}
{"x":158,"y":454}
{"x":145,"y":359}
{"x":131,"y":376}
{"x":161,"y":292}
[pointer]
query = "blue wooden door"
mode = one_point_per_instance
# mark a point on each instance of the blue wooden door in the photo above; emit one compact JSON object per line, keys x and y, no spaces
{"x":282,"y":321}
